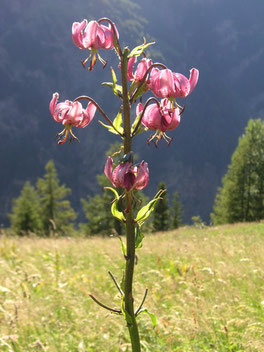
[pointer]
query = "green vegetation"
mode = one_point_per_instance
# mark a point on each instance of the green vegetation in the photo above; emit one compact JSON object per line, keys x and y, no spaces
{"x":26,"y":212}
{"x":45,"y":210}
{"x":241,"y":197}
{"x":161,"y":213}
{"x":177,"y":212}
{"x":205,"y":287}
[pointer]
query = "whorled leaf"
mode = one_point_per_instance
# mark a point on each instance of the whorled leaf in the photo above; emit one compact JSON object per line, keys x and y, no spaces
{"x":151,"y":315}
{"x":145,"y":211}
{"x":139,"y":237}
{"x":138,"y":50}
{"x":115,"y":212}
{"x":117,"y":123}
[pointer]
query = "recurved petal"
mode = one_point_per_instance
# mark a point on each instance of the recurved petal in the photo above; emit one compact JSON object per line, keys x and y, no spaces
{"x":53,"y":103}
{"x":165,"y":86}
{"x":194,"y":75}
{"x":182,"y":85}
{"x":88,"y":115}
{"x":139,"y":108}
{"x":130,"y":65}
{"x":108,"y":168}
{"x":91,"y":35}
{"x":77,"y":33}
{"x":176,"y":119}
{"x":75,"y":113}
{"x":142,"y":177}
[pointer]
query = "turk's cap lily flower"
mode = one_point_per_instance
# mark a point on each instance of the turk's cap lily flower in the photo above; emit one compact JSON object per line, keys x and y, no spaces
{"x":140,"y":71}
{"x":93,"y":36}
{"x":126,"y":175}
{"x":168,"y":84}
{"x":161,"y":118}
{"x":70,"y":114}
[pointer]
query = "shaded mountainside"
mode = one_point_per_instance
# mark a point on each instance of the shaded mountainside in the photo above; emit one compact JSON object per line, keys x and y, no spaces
{"x":224,"y":40}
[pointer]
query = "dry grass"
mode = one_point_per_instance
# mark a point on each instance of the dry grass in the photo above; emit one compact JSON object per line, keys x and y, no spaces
{"x":206,"y":287}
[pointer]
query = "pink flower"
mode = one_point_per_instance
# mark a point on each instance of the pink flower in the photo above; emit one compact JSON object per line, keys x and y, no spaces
{"x":163,"y":117}
{"x":160,"y":117}
{"x":167,"y":84}
{"x":141,"y":69}
{"x":126,"y":175}
{"x":70,"y":114}
{"x":93,"y":36}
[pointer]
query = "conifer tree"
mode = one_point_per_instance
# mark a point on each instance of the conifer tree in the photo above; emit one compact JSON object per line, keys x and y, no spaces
{"x":56,"y":212}
{"x":161,"y":213}
{"x":241,"y":198}
{"x":177,"y":212}
{"x":25,"y":216}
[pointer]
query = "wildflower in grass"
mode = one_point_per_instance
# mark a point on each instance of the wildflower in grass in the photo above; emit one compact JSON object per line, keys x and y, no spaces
{"x":167,"y":84}
{"x":93,"y":36}
{"x":126,"y":175}
{"x":160,"y":117}
{"x":70,"y":114}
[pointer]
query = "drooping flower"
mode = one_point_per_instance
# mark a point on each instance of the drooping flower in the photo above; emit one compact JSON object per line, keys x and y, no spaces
{"x":93,"y":36}
{"x":140,"y":71}
{"x":126,"y":175}
{"x":160,"y":117}
{"x":167,"y":84}
{"x":70,"y":114}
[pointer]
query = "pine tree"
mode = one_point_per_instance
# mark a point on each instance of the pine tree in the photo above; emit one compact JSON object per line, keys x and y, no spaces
{"x":25,"y":216}
{"x":161,"y":213}
{"x":241,"y":198}
{"x":56,"y":212}
{"x":177,"y":212}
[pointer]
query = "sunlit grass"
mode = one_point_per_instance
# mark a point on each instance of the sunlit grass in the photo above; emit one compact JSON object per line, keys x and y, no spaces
{"x":206,"y":287}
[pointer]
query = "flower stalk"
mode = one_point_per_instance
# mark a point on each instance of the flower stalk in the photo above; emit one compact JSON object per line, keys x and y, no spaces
{"x":130,"y":225}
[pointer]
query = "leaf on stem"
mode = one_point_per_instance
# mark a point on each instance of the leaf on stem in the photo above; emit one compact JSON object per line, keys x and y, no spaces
{"x":151,"y":315}
{"x":138,"y":50}
{"x":145,"y":211}
{"x":116,"y":88}
{"x":139,"y":237}
{"x":115,"y":212}
{"x":134,"y":125}
{"x":123,"y":247}
{"x":117,"y":123}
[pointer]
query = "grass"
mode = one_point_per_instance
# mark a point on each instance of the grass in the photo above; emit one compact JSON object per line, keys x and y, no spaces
{"x":206,"y":287}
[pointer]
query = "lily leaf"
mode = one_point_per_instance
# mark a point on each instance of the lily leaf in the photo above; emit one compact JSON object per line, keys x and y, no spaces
{"x":115,"y":212}
{"x":145,"y":211}
{"x":117,"y":89}
{"x":117,"y":123}
{"x":151,"y":315}
{"x":140,"y":128}
{"x":139,"y":237}
{"x":123,"y":246}
{"x":138,"y":50}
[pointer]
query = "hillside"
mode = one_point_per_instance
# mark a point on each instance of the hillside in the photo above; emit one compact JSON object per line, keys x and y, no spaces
{"x":38,"y":58}
{"x":205,"y":287}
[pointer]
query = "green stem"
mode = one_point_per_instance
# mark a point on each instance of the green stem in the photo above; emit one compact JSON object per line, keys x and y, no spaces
{"x":130,"y":225}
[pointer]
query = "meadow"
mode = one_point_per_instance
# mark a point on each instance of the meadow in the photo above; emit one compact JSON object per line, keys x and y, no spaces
{"x":206,"y":287}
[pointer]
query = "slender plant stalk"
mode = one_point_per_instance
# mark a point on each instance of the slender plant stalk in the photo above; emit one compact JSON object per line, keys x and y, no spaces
{"x":130,"y":226}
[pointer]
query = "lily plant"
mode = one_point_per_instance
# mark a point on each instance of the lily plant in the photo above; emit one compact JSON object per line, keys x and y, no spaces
{"x":155,"y":115}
